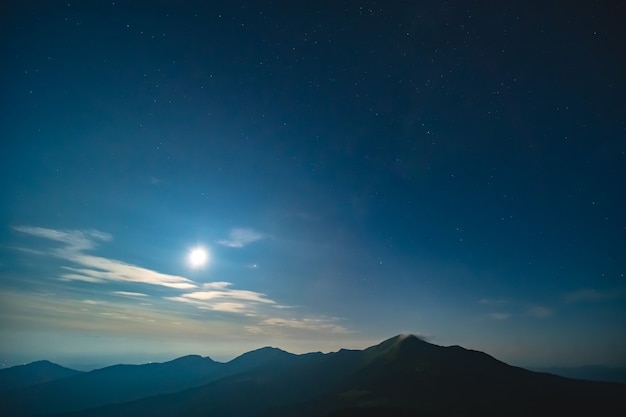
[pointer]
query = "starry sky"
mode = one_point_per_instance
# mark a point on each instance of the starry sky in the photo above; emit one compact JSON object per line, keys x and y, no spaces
{"x":354,"y":170}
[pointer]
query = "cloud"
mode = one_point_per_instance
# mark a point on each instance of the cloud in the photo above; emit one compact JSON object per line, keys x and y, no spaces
{"x":240,"y":237}
{"x":130,"y":294}
{"x":253,"y":311}
{"x":230,"y":308}
{"x":282,"y":306}
{"x":253,"y":329}
{"x":492,"y":301}
{"x":117,"y":317}
{"x":97,"y":269}
{"x":540,"y":312}
{"x":309,"y":324}
{"x":93,"y":302}
{"x":77,"y":240}
{"x":257,"y":307}
{"x":592,"y":295}
{"x":216,"y":285}
{"x":220,"y":290}
{"x":500,"y":316}
{"x":103,"y":270}
{"x":217,"y":296}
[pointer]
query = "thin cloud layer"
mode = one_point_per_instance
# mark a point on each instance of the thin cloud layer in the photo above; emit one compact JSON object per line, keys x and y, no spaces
{"x":492,"y":301}
{"x":220,"y":290}
{"x":258,"y":308}
{"x":310,"y":323}
{"x":250,"y":311}
{"x":77,"y":240}
{"x":97,"y":269}
{"x":500,"y":316}
{"x":130,"y":294}
{"x":217,"y":296}
{"x":240,"y":237}
{"x":540,"y":312}
{"x":593,"y":295}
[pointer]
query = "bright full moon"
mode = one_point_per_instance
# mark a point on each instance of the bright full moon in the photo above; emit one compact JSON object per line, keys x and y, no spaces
{"x":198,"y":257}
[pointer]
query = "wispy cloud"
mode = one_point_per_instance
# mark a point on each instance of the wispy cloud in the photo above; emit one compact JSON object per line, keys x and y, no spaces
{"x":326,"y":324}
{"x":97,"y":269}
{"x":240,"y":237}
{"x":593,"y":295}
{"x":492,"y":301}
{"x":130,"y":294}
{"x":217,"y":296}
{"x":238,"y":308}
{"x":30,"y":312}
{"x":499,"y":316}
{"x":196,"y":304}
{"x":264,"y":314}
{"x":540,"y":312}
{"x":93,"y":302}
{"x":220,"y":290}
{"x":76,"y":240}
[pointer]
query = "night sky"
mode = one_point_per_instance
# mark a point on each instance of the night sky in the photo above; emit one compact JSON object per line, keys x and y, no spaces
{"x":354,"y":170}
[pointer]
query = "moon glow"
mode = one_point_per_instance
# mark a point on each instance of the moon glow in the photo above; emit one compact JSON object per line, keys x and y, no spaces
{"x":198,"y":257}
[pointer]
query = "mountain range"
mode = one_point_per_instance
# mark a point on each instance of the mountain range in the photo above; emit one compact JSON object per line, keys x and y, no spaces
{"x":33,"y":373}
{"x":402,"y":376}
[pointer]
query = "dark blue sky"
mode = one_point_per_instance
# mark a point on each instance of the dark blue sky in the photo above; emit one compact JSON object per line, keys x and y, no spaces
{"x":354,"y":169}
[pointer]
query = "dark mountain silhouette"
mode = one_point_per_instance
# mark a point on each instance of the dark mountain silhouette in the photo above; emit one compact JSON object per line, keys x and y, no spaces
{"x":292,"y":379}
{"x":123,"y":383}
{"x":114,"y":384}
{"x":267,"y":356}
{"x":408,"y":376}
{"x":591,"y":373}
{"x":33,"y":373}
{"x":402,"y":376}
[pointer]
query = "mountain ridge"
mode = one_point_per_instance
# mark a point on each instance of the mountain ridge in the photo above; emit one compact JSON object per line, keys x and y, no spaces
{"x":402,"y":375}
{"x":33,"y":373}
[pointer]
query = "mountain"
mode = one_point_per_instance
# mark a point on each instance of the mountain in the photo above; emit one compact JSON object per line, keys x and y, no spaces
{"x":591,"y":373}
{"x":114,"y":384}
{"x":123,"y":383}
{"x":402,"y":376}
{"x":408,"y":376}
{"x":269,"y":386}
{"x":267,"y":356}
{"x":33,"y":373}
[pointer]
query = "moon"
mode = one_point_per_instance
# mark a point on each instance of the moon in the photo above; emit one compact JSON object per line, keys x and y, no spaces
{"x":198,"y":257}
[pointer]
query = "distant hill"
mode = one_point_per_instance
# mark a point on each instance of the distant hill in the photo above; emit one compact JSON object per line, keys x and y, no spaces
{"x":33,"y":373}
{"x":114,"y":384}
{"x":402,"y":376}
{"x":123,"y":383}
{"x":265,"y":357}
{"x":591,"y":373}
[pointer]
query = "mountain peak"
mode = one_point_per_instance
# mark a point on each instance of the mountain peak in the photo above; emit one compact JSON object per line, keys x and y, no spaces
{"x":33,"y":373}
{"x":267,"y":352}
{"x":404,"y":338}
{"x":42,"y":362}
{"x":404,"y":344}
{"x":260,"y":357}
{"x":192,"y":359}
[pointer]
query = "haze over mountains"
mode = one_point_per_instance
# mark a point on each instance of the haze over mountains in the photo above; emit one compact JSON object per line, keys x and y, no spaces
{"x":403,"y":375}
